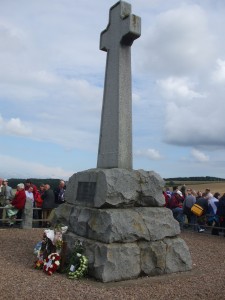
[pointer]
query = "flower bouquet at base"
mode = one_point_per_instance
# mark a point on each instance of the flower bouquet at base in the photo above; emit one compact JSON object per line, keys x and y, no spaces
{"x":51,"y":263}
{"x":38,"y":265}
{"x":51,"y":243}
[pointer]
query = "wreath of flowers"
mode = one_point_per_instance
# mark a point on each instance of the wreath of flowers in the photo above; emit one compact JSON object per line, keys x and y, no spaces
{"x":51,"y":263}
{"x":78,"y":264}
{"x":80,"y":269}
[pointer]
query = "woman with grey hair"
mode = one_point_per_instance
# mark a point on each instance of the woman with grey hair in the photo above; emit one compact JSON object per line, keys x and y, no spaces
{"x":16,"y":204}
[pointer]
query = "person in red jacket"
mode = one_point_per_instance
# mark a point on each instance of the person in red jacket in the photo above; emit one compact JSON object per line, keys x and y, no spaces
{"x":16,"y":204}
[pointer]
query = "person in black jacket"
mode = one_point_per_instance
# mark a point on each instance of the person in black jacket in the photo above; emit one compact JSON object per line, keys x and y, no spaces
{"x":48,"y":204}
{"x":60,"y":193}
{"x":203,"y":202}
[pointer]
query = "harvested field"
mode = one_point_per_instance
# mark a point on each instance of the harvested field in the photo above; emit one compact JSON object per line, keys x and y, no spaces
{"x":201,"y":186}
{"x":20,"y":281}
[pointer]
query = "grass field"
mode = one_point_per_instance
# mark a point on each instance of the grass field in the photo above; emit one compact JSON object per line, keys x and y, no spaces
{"x":201,"y":186}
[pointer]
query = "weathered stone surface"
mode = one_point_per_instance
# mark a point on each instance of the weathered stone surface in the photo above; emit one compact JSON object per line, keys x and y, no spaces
{"x":169,"y":255}
{"x":62,"y":214}
{"x":119,"y":261}
{"x":153,"y":257}
{"x":109,"y":262}
{"x":124,"y":225}
{"x":178,"y":257}
{"x":117,"y":188}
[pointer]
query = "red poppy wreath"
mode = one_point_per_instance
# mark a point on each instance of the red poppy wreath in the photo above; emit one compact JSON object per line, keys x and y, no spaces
{"x":51,"y":263}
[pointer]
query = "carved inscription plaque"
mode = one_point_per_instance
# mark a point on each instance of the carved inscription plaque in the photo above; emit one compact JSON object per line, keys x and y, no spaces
{"x":86,"y":192}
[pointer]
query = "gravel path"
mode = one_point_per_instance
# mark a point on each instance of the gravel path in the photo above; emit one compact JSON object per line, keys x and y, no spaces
{"x":20,"y":281}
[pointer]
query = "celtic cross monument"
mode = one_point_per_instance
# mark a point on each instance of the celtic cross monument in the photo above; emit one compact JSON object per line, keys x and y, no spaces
{"x":117,"y":212}
{"x":115,"y":145}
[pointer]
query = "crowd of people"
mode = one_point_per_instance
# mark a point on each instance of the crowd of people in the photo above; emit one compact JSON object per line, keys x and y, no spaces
{"x":182,"y":201}
{"x":43,"y":197}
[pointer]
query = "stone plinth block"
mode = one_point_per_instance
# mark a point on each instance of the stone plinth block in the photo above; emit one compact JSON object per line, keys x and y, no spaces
{"x":169,"y":255}
{"x":122,"y":261}
{"x":28,"y":215}
{"x":123,"y":225}
{"x":62,"y":214}
{"x":115,"y":188}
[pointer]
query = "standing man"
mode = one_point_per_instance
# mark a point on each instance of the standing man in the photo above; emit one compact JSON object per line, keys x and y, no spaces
{"x":189,"y":201}
{"x":48,"y":204}
{"x":60,"y":193}
{"x":7,"y":192}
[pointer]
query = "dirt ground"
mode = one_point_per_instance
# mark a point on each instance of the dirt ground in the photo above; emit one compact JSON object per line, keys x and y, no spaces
{"x":19,"y":280}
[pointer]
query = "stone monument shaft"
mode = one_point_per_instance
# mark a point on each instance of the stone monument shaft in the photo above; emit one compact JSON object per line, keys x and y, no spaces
{"x":115,"y":143}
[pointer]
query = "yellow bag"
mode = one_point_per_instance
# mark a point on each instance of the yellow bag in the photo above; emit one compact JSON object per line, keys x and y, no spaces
{"x":197,"y":210}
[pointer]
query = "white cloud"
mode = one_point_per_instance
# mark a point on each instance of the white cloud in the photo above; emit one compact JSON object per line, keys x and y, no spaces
{"x":12,"y":37}
{"x":14,"y":127}
{"x":219,"y":74}
{"x":177,"y":88}
{"x":196,"y":124}
{"x":179,"y":41}
{"x":199,"y":156}
{"x":152,"y":154}
{"x":14,"y":167}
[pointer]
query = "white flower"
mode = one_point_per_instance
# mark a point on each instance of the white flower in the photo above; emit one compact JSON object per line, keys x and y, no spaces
{"x":79,"y":255}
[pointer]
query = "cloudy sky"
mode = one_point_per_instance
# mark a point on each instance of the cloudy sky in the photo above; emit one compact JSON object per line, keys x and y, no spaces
{"x":52,"y":77}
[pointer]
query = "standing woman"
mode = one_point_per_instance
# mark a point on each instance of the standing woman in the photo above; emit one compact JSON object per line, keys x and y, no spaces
{"x":17,"y":204}
{"x":39,"y":202}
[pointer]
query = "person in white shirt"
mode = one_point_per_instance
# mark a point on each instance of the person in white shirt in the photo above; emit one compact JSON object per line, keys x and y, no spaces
{"x":30,"y":195}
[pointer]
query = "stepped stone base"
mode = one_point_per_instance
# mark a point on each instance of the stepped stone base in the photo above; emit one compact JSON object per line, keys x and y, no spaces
{"x":123,"y":261}
{"x":119,"y":216}
{"x":119,"y":225}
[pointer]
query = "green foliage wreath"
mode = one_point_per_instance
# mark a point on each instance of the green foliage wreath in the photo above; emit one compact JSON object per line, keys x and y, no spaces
{"x":78,"y":264}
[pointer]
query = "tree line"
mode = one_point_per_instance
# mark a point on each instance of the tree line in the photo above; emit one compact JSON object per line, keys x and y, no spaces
{"x":52,"y":182}
{"x":196,"y":178}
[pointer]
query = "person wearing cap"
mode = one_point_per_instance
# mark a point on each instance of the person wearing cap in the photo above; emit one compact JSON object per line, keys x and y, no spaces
{"x":7,"y":193}
{"x":16,"y":204}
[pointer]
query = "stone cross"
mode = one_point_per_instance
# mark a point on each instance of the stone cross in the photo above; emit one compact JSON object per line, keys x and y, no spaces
{"x":115,"y":143}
